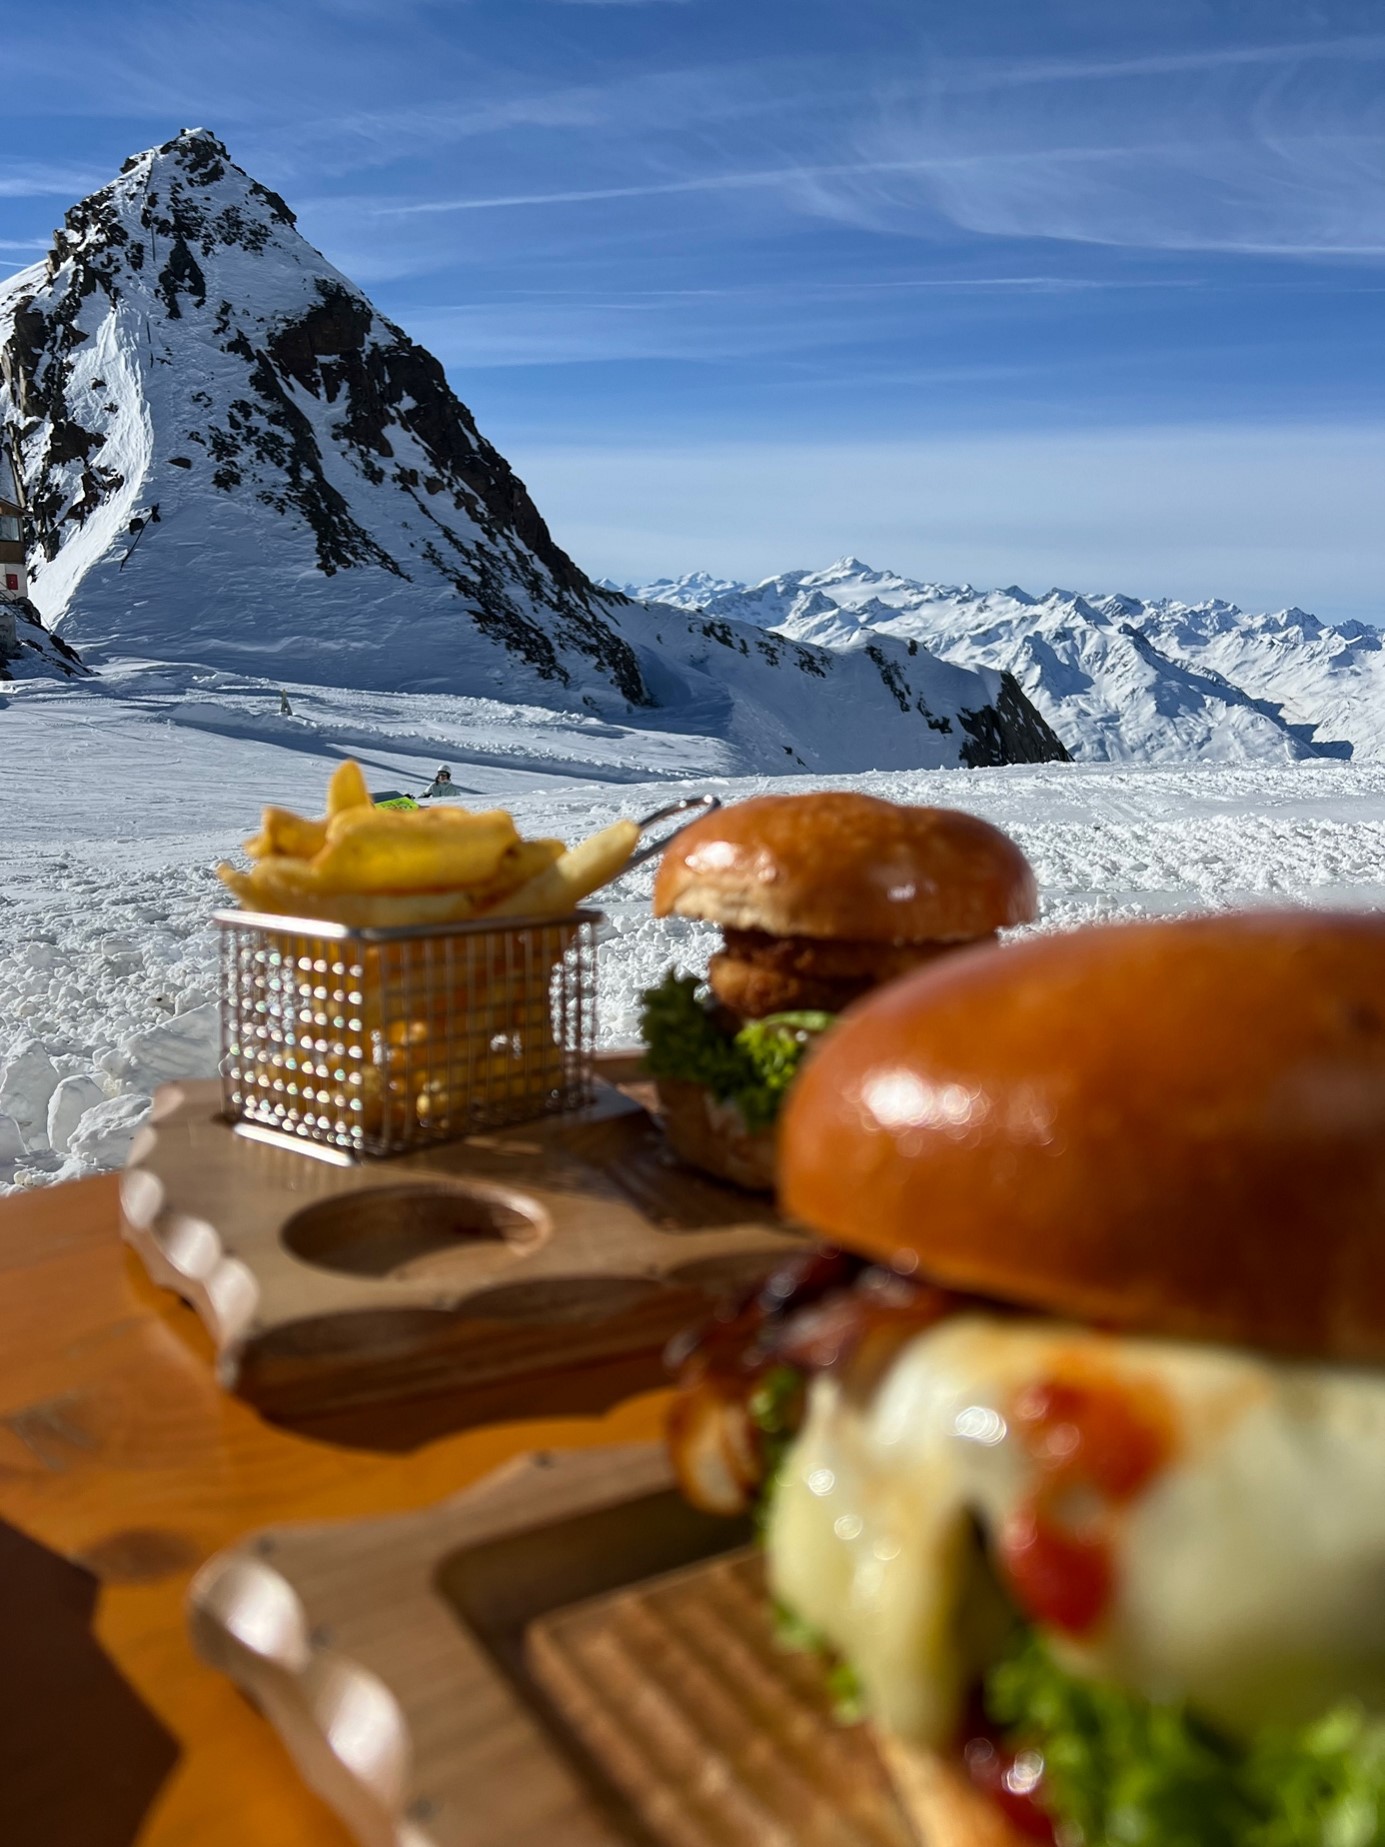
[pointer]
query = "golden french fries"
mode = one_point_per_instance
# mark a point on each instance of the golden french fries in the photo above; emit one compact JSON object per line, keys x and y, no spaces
{"x":369,"y":867}
{"x":347,"y":789}
{"x":393,"y":851}
{"x":282,"y":832}
{"x":583,"y":869}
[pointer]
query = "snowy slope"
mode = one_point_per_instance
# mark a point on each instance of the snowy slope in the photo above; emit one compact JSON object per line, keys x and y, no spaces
{"x":1330,"y":677}
{"x":1119,"y":680}
{"x":236,"y":462}
{"x":122,"y":793}
{"x":893,"y":704}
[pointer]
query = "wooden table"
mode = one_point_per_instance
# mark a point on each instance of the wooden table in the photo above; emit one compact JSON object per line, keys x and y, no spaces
{"x":118,"y":1453}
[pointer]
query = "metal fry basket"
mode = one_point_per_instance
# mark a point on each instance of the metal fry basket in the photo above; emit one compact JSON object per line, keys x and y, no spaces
{"x":377,"y":1041}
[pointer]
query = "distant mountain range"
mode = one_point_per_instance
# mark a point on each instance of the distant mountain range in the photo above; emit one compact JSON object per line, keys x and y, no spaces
{"x":233,"y":460}
{"x":1118,"y":679}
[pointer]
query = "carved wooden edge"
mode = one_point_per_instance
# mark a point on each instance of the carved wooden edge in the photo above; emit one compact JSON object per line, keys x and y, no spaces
{"x":393,"y":1711}
{"x":184,"y":1252}
{"x":204,"y":1213}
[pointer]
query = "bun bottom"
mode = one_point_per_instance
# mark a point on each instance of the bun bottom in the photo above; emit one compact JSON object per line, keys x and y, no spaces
{"x":713,"y":1136}
{"x":943,"y":1807}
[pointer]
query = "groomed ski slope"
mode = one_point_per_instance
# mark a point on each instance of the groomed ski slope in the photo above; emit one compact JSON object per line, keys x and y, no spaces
{"x":117,"y":807}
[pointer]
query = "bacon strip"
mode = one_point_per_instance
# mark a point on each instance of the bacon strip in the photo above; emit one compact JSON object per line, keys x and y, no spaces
{"x":825,"y":1311}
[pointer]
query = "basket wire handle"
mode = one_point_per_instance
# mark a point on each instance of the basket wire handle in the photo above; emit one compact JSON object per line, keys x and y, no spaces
{"x":691,"y":805}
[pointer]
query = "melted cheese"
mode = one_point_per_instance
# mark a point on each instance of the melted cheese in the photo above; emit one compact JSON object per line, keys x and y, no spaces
{"x":1249,"y":1572}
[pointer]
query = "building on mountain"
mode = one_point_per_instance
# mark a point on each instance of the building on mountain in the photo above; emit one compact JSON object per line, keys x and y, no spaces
{"x":14,"y":526}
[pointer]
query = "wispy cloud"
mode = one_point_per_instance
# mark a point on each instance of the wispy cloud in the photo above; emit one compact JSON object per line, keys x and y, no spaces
{"x":793,"y":322}
{"x":33,"y":180}
{"x":994,"y":74}
{"x":597,"y":123}
{"x":751,"y":180}
{"x":1269,"y":150}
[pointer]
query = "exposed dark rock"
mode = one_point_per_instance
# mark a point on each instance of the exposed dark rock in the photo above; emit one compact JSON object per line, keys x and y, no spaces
{"x":1010,"y":731}
{"x":69,"y":441}
{"x":180,"y":275}
{"x":25,"y":644}
{"x":890,"y":674}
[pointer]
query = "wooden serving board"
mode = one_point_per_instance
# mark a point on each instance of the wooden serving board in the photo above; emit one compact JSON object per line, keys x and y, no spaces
{"x":564,"y":1656}
{"x":528,"y":1270}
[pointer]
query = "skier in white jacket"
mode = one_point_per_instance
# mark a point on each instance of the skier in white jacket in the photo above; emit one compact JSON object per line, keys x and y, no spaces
{"x":442,"y":788}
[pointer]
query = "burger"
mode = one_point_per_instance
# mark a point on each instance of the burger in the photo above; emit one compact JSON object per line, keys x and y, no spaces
{"x":820,"y":898}
{"x":1070,"y":1444}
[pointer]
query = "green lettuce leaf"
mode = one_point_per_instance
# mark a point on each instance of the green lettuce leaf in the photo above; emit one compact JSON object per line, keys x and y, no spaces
{"x":775,"y":1408}
{"x":797,"y":1637}
{"x":1122,"y":1771}
{"x":752,"y":1068}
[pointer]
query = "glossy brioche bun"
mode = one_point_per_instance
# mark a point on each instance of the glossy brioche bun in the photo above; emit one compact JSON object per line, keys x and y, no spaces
{"x":712,"y":1135}
{"x":847,"y":866}
{"x":940,"y":1801}
{"x":1176,"y":1128}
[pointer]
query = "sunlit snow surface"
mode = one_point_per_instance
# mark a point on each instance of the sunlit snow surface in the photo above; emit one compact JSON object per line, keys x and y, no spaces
{"x":117,"y":803}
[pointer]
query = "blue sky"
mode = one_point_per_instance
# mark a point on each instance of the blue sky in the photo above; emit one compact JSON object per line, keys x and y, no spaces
{"x":1086,"y":293}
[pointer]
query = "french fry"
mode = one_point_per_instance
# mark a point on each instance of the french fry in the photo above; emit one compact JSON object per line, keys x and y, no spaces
{"x":583,"y":869}
{"x":289,"y":887}
{"x":427,"y":821}
{"x":522,"y":862}
{"x":282,"y":832}
{"x":347,"y":789}
{"x":395,"y":910}
{"x":388,"y":852}
{"x":261,"y":890}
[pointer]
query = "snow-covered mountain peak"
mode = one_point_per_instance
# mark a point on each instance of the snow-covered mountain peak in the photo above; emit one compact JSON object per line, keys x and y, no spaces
{"x":215,"y":424}
{"x":188,"y":193}
{"x":233,"y":460}
{"x":847,"y":567}
{"x":692,"y":591}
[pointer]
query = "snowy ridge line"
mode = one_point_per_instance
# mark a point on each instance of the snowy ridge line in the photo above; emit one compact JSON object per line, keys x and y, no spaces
{"x":1119,"y":679}
{"x":233,"y":458}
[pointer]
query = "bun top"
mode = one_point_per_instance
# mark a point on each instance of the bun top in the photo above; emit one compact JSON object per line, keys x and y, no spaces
{"x":1177,"y":1128}
{"x":847,"y":866}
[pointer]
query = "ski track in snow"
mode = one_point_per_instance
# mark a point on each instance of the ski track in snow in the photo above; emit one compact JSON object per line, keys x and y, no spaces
{"x":118,"y":809}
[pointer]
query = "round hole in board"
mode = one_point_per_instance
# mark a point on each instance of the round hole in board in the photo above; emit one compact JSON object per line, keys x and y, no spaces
{"x":411,"y":1232}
